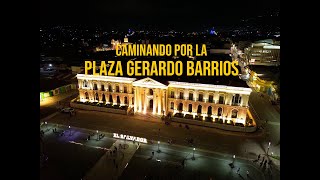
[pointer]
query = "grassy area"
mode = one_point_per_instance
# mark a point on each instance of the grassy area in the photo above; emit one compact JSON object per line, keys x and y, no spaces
{"x":276,"y":157}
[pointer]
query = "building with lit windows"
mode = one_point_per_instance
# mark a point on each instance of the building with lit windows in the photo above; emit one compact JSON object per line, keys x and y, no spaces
{"x":114,"y":43}
{"x":264,"y":52}
{"x":146,"y":95}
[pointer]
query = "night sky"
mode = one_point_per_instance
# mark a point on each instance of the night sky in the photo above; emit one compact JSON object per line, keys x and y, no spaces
{"x":177,"y":13}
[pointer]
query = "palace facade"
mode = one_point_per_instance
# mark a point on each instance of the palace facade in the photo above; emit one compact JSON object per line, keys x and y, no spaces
{"x":150,"y":96}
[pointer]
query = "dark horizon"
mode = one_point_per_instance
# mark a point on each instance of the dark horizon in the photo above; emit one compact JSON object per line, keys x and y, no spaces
{"x":160,"y":14}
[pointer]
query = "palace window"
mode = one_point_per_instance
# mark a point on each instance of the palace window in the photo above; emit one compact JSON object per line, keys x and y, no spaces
{"x":190,"y":108}
{"x":181,"y":95}
{"x":236,"y":100}
{"x":172,"y":105}
{"x":117,"y":89}
{"x":125,"y":89}
{"x":85,"y":83}
{"x":210,"y":98}
{"x":110,"y":88}
{"x":172,"y":94}
{"x":102,"y":87}
{"x":200,"y":97}
{"x":125,"y":100}
{"x":234,"y":113}
{"x":191,"y":96}
{"x":221,"y":99}
{"x":95,"y":87}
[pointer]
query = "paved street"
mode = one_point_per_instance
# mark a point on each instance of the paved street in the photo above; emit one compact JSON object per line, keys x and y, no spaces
{"x":71,"y":156}
{"x":266,"y":114}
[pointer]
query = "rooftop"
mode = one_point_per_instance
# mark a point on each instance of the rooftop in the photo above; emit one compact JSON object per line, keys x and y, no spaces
{"x":47,"y":84}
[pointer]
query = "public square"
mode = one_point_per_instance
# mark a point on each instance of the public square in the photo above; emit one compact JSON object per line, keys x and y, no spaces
{"x":214,"y":148}
{"x":72,"y":156}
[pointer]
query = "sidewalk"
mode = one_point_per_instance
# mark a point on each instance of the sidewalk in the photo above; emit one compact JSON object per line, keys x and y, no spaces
{"x":105,"y":167}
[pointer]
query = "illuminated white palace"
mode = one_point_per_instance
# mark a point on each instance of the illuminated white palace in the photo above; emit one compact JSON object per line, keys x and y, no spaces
{"x":150,"y":96}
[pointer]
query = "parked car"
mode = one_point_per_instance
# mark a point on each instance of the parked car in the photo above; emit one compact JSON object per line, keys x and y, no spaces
{"x":67,"y":110}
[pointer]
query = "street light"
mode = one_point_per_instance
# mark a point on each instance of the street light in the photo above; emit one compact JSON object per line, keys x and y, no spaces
{"x":97,"y":135}
{"x":158,"y":147}
{"x":271,"y":153}
{"x":193,"y":158}
{"x":45,"y":123}
{"x":125,"y":140}
{"x":69,"y":130}
{"x":268,"y":148}
{"x":234,"y":157}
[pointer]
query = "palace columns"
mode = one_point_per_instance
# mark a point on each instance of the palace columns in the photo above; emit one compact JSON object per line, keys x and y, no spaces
{"x":140,"y":99}
{"x":154,"y":100}
{"x":135,"y":99}
{"x":159,"y":101}
{"x":145,"y":100}
{"x":164,"y":101}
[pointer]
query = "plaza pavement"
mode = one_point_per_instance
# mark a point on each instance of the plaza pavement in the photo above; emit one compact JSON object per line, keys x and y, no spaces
{"x":105,"y":167}
{"x":165,"y":164}
{"x":243,"y":145}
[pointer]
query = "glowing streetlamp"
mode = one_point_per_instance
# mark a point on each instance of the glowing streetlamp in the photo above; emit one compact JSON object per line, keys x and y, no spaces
{"x":45,"y":124}
{"x":234,"y":157}
{"x":158,"y":147}
{"x":268,"y":148}
{"x":97,"y":135}
{"x":193,"y":158}
{"x":69,"y":130}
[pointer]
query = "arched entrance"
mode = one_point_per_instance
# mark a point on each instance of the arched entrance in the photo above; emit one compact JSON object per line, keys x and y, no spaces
{"x":118,"y":100}
{"x":209,"y":110}
{"x":125,"y":100}
{"x":234,"y":113}
{"x":190,"y":108}
{"x":110,"y":99}
{"x":199,"y":111}
{"x":97,"y":97}
{"x":87,"y":96}
{"x":151,"y":103}
{"x":103,"y":98}
{"x":180,"y":107}
{"x":219,"y":111}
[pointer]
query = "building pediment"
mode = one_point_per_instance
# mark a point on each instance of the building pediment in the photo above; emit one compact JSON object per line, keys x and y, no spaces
{"x":149,"y":83}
